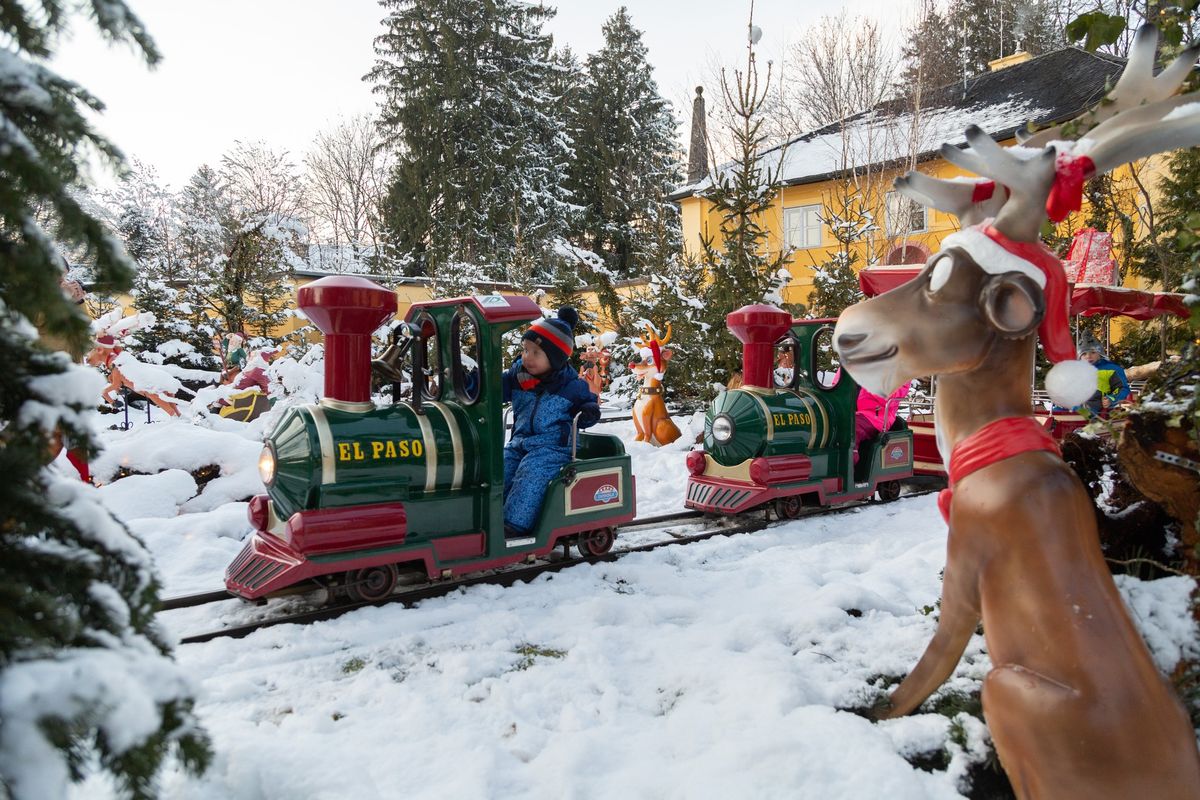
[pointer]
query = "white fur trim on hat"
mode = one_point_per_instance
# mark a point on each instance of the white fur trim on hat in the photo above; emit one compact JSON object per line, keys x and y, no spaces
{"x":1071,"y":383}
{"x":991,"y":257}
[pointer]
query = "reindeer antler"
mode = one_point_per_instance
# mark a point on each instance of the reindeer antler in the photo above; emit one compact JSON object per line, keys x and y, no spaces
{"x":1137,"y":85}
{"x":1044,"y":176}
{"x":971,"y":200}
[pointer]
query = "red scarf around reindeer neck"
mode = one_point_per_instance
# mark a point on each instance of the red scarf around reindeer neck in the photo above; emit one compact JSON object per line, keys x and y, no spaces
{"x":994,"y":442}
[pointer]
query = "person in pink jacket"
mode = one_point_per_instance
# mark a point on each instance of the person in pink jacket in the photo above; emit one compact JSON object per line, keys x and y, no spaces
{"x":875,"y":414}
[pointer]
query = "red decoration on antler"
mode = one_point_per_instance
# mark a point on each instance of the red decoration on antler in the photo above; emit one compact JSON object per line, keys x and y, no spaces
{"x":1066,"y":195}
{"x":983,"y":190}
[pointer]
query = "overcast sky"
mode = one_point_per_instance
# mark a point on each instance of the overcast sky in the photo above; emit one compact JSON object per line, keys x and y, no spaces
{"x":281,"y":70}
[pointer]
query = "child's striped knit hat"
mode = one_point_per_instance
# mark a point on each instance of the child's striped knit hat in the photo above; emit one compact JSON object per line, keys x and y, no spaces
{"x":555,"y":336}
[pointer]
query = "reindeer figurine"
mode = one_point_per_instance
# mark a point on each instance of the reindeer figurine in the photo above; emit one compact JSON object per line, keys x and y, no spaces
{"x":650,"y":416}
{"x":1074,"y":703}
{"x":124,"y":370}
{"x":597,"y":355}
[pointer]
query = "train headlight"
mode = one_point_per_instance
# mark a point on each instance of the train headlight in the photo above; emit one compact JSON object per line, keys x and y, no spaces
{"x":722,"y":429}
{"x":266,"y":465}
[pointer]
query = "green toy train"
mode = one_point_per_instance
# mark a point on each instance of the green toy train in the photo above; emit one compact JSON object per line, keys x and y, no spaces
{"x":787,"y":436}
{"x":357,"y":493}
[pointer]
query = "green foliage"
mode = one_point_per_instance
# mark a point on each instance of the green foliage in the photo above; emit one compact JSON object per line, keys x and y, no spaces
{"x":625,"y":161}
{"x":76,"y":589}
{"x":949,"y":45}
{"x":465,"y":102}
{"x":530,"y":653}
{"x":1096,"y":29}
{"x":741,"y":269}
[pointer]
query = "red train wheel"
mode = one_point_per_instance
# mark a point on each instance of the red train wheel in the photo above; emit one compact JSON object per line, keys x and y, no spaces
{"x":597,"y":542}
{"x":372,"y":583}
{"x":888,"y":491}
{"x":789,"y":507}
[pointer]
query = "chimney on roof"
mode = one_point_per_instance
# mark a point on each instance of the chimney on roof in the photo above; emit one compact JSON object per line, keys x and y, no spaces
{"x":698,"y":147}
{"x":1019,"y":57}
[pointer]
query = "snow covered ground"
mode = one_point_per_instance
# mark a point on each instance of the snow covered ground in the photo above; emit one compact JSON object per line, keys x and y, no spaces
{"x":712,"y":670}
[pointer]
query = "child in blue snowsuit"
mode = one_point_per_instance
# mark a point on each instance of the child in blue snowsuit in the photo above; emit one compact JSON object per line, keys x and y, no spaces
{"x":546,"y":393}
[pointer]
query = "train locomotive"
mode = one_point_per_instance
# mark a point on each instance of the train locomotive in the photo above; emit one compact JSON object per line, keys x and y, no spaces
{"x":785,"y":439}
{"x":359,"y":493}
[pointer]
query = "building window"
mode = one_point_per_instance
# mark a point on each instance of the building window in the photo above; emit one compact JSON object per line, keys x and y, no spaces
{"x":802,"y":226}
{"x":904,"y":215}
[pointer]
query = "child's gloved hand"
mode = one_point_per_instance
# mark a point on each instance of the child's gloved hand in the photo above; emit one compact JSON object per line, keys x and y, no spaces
{"x":589,"y":414}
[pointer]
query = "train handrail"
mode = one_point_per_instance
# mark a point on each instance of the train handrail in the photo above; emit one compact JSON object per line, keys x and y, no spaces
{"x":575,"y":434}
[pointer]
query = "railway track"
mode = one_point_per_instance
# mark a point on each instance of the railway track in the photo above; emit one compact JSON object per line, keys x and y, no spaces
{"x":204,"y":598}
{"x":503,"y":577}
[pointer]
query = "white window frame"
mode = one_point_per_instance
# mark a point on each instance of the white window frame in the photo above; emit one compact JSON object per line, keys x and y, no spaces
{"x":802,"y":227}
{"x":891,"y":202}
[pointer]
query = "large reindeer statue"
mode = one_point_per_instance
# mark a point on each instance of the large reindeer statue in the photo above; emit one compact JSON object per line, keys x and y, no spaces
{"x":650,"y":415}
{"x":1074,"y":703}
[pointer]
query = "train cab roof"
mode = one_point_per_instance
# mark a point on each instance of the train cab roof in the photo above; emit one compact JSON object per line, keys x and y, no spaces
{"x":494,"y":308}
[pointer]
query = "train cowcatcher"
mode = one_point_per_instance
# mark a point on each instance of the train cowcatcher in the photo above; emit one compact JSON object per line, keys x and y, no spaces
{"x":785,"y":438}
{"x":358,"y":493}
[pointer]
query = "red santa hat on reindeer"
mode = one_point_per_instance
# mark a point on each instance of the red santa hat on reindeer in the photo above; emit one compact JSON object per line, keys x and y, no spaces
{"x":1071,"y":381}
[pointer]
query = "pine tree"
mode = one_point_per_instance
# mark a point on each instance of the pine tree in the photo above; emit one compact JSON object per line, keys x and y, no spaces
{"x":950,"y":45}
{"x":81,"y":657}
{"x":1167,"y":255}
{"x":205,"y":218}
{"x":466,"y":102}
{"x":240,"y":237}
{"x":929,"y":53}
{"x":172,"y":337}
{"x":625,"y":164}
{"x":835,"y":282}
{"x":741,"y":268}
{"x":677,"y":295}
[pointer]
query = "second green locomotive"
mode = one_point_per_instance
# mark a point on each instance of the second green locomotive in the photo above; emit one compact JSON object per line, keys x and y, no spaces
{"x":786,"y":436}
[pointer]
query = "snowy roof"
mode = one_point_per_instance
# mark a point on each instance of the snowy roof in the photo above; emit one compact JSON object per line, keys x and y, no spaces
{"x":1046,"y":89}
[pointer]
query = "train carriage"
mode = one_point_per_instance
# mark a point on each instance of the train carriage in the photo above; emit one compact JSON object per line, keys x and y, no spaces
{"x":356,"y":492}
{"x":787,"y":435}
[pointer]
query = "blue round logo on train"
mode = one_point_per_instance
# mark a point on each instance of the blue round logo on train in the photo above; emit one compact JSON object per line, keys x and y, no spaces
{"x":605,"y":494}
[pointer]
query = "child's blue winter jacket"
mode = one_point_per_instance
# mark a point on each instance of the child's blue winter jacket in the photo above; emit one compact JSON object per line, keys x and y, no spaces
{"x":542,"y":415}
{"x":541,"y":439}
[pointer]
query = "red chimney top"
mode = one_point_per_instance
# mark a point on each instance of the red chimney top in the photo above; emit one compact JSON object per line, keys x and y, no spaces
{"x":347,"y":309}
{"x":758,"y":327}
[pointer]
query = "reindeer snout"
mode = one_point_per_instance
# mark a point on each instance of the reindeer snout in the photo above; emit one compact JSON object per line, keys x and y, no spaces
{"x":847,"y":342}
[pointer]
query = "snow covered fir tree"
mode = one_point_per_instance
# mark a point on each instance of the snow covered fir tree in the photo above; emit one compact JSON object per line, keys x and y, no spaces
{"x":624,"y":163}
{"x":465,"y":102}
{"x":87,"y":677}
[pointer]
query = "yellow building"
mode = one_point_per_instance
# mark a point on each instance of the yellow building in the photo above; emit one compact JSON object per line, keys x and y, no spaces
{"x":853,"y":163}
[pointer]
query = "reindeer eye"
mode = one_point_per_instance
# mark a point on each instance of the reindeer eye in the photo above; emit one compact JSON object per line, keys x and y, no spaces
{"x":941,"y":273}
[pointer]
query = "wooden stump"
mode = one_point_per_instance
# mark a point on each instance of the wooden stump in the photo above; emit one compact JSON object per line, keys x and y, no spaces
{"x":1175,"y":488}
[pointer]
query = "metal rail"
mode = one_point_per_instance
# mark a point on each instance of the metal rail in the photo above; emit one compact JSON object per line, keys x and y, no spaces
{"x":204,"y":598}
{"x":510,"y":576}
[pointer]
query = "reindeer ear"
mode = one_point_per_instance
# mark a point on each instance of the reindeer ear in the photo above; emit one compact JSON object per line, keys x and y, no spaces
{"x":1012,"y":304}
